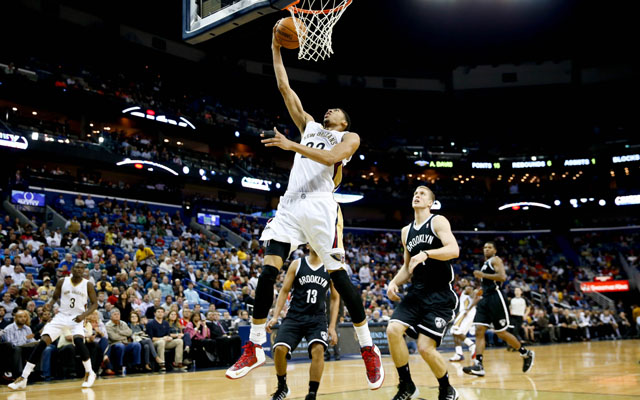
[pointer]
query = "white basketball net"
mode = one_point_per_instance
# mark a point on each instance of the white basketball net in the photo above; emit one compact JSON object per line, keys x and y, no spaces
{"x":314,"y":21}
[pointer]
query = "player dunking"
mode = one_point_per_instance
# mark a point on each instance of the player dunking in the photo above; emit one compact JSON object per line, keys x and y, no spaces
{"x":306,"y":318}
{"x":463,"y":322}
{"x":308,"y":213}
{"x":431,"y":302}
{"x":73,"y":293}
{"x":492,"y":310}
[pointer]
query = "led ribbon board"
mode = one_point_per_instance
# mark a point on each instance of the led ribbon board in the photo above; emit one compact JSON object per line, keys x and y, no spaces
{"x":627,"y":200}
{"x":27,"y":198}
{"x":255,"y":183}
{"x":579,"y":162}
{"x":625,"y":158}
{"x":485,"y":165}
{"x":530,"y":164}
{"x":127,"y":161}
{"x":516,"y":206}
{"x":150,"y":114}
{"x":608,"y":286}
{"x":13,"y":141}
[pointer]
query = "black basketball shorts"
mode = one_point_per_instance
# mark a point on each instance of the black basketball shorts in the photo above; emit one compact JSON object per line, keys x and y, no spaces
{"x":292,"y":330}
{"x":492,"y":312}
{"x":426,"y":314}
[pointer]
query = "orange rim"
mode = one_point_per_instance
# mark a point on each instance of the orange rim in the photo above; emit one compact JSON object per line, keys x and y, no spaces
{"x":297,"y":10}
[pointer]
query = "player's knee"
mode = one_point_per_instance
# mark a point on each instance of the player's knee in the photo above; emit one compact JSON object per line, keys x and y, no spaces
{"x":395,"y":330}
{"x":317,"y":351}
{"x":269,"y":274}
{"x":281,"y":351}
{"x":427,"y":350}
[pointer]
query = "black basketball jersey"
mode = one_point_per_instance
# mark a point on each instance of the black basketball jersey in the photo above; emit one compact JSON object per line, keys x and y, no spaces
{"x":309,"y":290}
{"x":488,"y":285}
{"x":432,"y":275}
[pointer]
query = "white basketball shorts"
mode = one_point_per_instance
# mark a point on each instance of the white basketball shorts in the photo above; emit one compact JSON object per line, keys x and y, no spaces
{"x":313,"y":218}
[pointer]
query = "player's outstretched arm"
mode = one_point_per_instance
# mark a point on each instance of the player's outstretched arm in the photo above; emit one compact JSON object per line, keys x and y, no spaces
{"x":341,"y":151}
{"x":291,"y":99}
{"x":284,"y":292}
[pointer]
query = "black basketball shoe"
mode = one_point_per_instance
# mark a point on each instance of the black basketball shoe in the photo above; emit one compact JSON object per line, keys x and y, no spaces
{"x":448,"y":394}
{"x":528,"y":361}
{"x":477,"y":369}
{"x":281,"y":393}
{"x":406,"y":391}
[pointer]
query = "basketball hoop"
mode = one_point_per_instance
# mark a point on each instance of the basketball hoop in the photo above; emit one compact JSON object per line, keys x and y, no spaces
{"x":314,"y":21}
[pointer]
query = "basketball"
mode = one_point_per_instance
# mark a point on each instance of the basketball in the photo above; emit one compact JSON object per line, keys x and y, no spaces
{"x":286,"y":33}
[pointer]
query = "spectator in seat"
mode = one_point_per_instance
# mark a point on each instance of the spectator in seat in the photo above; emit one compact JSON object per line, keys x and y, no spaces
{"x":9,"y":305}
{"x":3,"y":322}
{"x":127,"y":243}
{"x":67,"y":262}
{"x":227,"y":346}
{"x":78,"y":201}
{"x":96,"y":269}
{"x":139,"y":240}
{"x":18,"y":338}
{"x":48,"y":270}
{"x":151,"y":311}
{"x":609,"y":325}
{"x":624,"y":326}
{"x":40,"y":322}
{"x":191,"y":296}
{"x":73,"y":226}
{"x":103,"y":285}
{"x":365,"y":276}
{"x":89,"y":202}
{"x":201,"y":336}
{"x":159,"y":331}
{"x":139,"y":329}
{"x":556,"y":322}
{"x":166,"y":289}
{"x":97,"y":339}
{"x":155,"y":292}
{"x":145,"y":256}
{"x":124,"y":306}
{"x":121,"y":341}
{"x":54,"y":238}
{"x":59,"y":202}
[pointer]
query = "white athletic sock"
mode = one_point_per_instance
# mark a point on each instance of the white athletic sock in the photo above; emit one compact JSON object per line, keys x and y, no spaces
{"x":87,"y":365}
{"x":459,"y":350}
{"x":364,"y":336}
{"x":27,"y":370}
{"x":468,"y":342}
{"x":258,"y":334}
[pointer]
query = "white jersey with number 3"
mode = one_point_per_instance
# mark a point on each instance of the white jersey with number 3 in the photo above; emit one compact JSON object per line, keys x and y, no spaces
{"x":74,"y":298}
{"x":311,"y":176}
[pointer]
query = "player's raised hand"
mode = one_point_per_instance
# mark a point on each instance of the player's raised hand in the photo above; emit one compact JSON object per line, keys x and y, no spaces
{"x":392,"y":291}
{"x":274,"y":42}
{"x":279,"y":140}
{"x":271,"y":324}
{"x":417,"y":260}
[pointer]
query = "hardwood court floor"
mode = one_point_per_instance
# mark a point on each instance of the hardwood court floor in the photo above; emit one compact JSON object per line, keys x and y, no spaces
{"x":585,"y":371}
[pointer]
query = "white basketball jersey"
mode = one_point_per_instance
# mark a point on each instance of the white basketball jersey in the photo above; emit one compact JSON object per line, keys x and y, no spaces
{"x":465,"y":302}
{"x":74,"y":298}
{"x":311,"y":176}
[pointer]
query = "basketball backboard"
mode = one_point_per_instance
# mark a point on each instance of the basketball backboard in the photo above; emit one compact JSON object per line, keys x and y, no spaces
{"x":206,"y":19}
